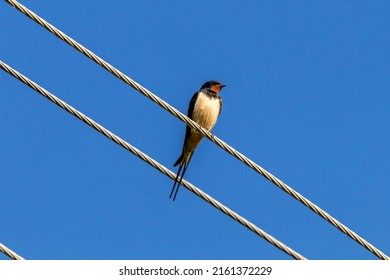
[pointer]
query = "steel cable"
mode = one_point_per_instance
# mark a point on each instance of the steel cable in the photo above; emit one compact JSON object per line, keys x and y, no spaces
{"x":7,"y":251}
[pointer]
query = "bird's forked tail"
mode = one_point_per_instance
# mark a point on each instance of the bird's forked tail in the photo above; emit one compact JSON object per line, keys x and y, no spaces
{"x":183,"y":164}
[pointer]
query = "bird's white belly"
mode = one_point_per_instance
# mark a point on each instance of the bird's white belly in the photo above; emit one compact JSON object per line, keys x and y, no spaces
{"x":206,"y":111}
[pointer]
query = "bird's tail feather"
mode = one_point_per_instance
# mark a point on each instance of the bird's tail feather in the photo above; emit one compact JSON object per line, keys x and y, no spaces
{"x":179,"y":160}
{"x":179,"y":177}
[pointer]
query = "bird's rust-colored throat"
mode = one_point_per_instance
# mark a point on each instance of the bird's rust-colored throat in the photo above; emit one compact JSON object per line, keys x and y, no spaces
{"x":217,"y":88}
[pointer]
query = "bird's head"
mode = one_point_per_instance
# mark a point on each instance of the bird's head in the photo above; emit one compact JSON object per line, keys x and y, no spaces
{"x":213,"y":86}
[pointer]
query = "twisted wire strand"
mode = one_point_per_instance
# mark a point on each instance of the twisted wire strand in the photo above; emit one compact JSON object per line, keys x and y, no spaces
{"x":7,"y":251}
{"x":150,"y":161}
{"x":203,"y":131}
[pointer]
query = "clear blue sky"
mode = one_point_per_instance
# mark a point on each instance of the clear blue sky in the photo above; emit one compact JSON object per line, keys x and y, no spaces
{"x":307,"y":98}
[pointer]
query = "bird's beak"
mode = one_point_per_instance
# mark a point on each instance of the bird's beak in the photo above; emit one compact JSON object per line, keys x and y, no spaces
{"x":223,"y":86}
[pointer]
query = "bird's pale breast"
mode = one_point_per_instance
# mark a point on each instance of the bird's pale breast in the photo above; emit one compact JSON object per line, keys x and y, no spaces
{"x":206,"y":110}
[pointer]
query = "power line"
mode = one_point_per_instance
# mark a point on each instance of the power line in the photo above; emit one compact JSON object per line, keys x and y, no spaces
{"x":7,"y":251}
{"x":150,"y":161}
{"x":203,"y":131}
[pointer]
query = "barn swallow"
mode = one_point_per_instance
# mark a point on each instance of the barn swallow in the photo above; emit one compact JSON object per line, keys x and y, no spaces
{"x":204,"y":108}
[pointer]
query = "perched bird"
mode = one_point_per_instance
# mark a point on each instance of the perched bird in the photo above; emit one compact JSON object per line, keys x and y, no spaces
{"x":205,"y":107}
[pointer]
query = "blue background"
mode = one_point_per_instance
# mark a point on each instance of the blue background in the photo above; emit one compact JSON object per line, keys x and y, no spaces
{"x":307,"y":98}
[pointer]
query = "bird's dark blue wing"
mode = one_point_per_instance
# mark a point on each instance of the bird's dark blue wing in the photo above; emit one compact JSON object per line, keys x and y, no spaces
{"x":189,"y":114}
{"x":192,"y":104}
{"x":181,"y":161}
